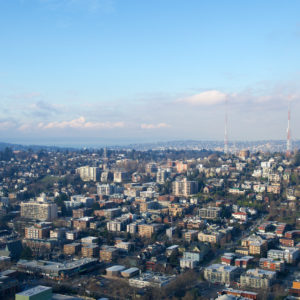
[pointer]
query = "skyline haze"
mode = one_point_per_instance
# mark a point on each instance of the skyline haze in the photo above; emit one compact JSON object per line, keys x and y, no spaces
{"x":80,"y":70}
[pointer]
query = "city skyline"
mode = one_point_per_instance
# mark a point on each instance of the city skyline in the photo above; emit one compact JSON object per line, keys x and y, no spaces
{"x":75,"y":71}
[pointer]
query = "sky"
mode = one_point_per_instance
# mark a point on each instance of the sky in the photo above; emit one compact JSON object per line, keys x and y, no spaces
{"x":123,"y":71}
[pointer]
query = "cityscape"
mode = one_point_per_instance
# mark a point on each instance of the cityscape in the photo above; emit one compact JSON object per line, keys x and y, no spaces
{"x":149,"y":150}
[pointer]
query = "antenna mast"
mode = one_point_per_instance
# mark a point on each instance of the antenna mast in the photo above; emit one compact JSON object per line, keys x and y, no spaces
{"x":226,"y":129}
{"x":288,"y":141}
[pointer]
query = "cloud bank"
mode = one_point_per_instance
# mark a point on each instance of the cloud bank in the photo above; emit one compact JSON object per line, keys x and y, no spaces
{"x":207,"y":98}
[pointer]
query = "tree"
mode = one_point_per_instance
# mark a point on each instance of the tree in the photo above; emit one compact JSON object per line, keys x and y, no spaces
{"x":96,"y":206}
{"x":297,"y":159}
{"x":26,"y":253}
{"x":59,"y":200}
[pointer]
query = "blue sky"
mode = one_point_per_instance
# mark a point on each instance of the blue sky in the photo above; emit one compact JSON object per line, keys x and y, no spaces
{"x":92,"y":71}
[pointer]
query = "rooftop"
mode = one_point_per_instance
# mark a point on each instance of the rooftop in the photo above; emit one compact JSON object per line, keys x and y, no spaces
{"x":34,"y":291}
{"x":116,"y":268}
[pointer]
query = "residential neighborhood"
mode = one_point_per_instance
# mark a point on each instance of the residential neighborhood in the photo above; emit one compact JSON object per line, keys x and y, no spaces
{"x":130,"y":224}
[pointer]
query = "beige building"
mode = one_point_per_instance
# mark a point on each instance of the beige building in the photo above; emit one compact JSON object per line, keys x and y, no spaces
{"x":184,"y":187}
{"x":38,"y":231}
{"x":255,"y":244}
{"x":257,"y":278}
{"x":89,"y":173}
{"x":90,"y":251}
{"x":108,"y":254}
{"x":211,"y":237}
{"x":147,"y":230}
{"x":221,"y":273}
{"x":72,"y":249}
{"x":42,"y":211}
{"x":209,"y":212}
{"x":190,"y":235}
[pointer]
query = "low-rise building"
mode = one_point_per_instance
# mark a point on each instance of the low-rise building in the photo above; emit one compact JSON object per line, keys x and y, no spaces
{"x":272,"y":265}
{"x":90,"y":251}
{"x":56,"y":270}
{"x":150,"y":279}
{"x":38,"y":292}
{"x":214,"y":237}
{"x":131,"y":272}
{"x":72,"y":249}
{"x":228,"y":259}
{"x":210,"y":212}
{"x":147,"y":230}
{"x":190,"y":235}
{"x":289,"y":255}
{"x":108,"y":253}
{"x":256,"y":244}
{"x":38,"y":231}
{"x":244,"y":261}
{"x":115,"y":270}
{"x":258,"y":278}
{"x":220,"y":273}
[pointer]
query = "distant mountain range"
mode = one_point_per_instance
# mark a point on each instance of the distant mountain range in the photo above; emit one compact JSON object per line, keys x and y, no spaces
{"x":32,"y":147}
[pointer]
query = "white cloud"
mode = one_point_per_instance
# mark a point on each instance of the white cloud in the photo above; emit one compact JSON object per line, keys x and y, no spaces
{"x":4,"y":125}
{"x":155,"y":126}
{"x":206,"y":98}
{"x":25,"y":127}
{"x":81,"y":123}
{"x":26,"y":96}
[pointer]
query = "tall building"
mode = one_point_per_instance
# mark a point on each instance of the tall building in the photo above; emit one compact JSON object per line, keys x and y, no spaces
{"x":89,"y":173}
{"x":106,"y":189}
{"x":184,"y":187}
{"x":120,"y":176}
{"x":42,"y":211}
{"x":161,"y":176}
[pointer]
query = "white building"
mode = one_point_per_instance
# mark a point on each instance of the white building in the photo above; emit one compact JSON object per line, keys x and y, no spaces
{"x":89,"y":173}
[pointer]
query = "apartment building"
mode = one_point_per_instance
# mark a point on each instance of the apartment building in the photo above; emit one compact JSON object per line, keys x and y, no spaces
{"x":90,"y":251}
{"x":120,"y":177}
{"x":190,"y":235}
{"x":255,"y":244}
{"x":147,"y":230}
{"x":161,"y":176}
{"x":108,"y":254}
{"x":118,"y":224}
{"x":209,"y":212}
{"x":272,"y":265}
{"x":42,"y":211}
{"x":38,"y":231}
{"x":289,"y":255}
{"x":87,"y":173}
{"x":72,"y":249}
{"x":221,"y":273}
{"x":257,"y":278}
{"x":210,"y":237}
{"x":184,"y":187}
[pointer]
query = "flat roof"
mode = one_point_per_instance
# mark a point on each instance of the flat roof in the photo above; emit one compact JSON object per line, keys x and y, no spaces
{"x":50,"y":265}
{"x":116,"y":268}
{"x":64,"y":297}
{"x":131,"y":270}
{"x":172,"y":247}
{"x":34,"y":291}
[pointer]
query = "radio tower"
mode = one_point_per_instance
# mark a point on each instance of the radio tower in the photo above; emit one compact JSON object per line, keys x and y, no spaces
{"x":288,"y":140}
{"x":225,"y":132}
